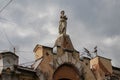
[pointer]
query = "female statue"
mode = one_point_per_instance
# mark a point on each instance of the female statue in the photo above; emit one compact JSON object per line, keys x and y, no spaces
{"x":62,"y":23}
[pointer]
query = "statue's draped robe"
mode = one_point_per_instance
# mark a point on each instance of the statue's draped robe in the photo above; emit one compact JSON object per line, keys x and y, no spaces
{"x":62,"y":24}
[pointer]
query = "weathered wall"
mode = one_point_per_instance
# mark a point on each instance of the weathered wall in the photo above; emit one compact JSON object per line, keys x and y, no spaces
{"x":1,"y":64}
{"x":39,"y":52}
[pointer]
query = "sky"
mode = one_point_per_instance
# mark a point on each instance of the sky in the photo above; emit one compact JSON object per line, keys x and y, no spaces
{"x":26,"y":23}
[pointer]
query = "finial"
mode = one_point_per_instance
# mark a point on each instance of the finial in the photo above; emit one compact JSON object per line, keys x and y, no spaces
{"x":14,"y":50}
{"x":62,"y":23}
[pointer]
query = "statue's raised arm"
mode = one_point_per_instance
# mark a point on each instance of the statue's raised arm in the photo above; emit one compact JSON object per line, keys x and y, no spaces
{"x":62,"y":23}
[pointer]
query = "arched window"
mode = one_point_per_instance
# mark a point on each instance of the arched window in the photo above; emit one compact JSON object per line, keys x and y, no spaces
{"x":66,"y":72}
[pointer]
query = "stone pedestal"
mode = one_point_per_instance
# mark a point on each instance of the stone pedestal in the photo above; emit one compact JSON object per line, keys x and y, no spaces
{"x":64,"y":42}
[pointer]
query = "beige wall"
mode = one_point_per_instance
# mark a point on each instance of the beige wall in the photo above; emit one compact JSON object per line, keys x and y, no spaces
{"x":39,"y":53}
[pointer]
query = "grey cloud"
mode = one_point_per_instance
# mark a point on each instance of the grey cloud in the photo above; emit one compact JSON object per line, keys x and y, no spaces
{"x":90,"y":22}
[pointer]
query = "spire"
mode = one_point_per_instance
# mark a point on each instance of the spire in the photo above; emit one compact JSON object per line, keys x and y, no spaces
{"x":62,"y":23}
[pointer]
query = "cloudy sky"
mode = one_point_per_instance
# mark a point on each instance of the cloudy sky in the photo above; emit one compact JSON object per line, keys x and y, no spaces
{"x":25,"y":23}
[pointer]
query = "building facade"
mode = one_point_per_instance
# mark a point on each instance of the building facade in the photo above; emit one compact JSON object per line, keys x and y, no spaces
{"x":62,"y":61}
{"x":11,"y":70}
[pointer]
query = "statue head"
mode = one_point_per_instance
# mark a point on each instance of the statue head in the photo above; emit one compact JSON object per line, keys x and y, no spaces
{"x":62,"y":12}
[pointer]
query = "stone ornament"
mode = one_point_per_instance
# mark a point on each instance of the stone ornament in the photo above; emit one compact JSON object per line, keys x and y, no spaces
{"x":62,"y":23}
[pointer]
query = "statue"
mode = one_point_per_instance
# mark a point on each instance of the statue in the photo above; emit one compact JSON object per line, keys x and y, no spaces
{"x":62,"y":23}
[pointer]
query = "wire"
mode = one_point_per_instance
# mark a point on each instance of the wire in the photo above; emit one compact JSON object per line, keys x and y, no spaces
{"x":25,"y":51}
{"x":26,"y":59}
{"x":5,"y":6}
{"x":19,"y":64}
{"x":27,"y":62}
{"x":19,"y":51}
{"x":1,"y":33}
{"x":8,"y":39}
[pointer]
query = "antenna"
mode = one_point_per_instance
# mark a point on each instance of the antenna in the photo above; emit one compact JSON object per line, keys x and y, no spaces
{"x":88,"y":52}
{"x":95,"y":50}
